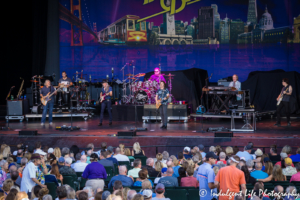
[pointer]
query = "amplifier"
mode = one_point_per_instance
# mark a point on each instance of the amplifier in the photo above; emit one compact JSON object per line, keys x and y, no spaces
{"x":224,"y":134}
{"x":15,"y":108}
{"x":127,"y":133}
{"x":28,"y":132}
{"x":172,"y":110}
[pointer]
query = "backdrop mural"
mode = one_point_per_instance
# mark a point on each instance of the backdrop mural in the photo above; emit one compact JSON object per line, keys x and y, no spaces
{"x":222,"y":37}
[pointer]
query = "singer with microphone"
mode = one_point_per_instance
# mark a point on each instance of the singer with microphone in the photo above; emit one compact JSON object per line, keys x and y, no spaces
{"x":105,"y":100}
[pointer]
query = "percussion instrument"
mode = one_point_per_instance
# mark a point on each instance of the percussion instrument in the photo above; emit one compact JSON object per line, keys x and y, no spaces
{"x":142,"y":96}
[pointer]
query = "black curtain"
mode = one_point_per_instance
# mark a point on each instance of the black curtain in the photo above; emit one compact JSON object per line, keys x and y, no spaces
{"x":187,"y":85}
{"x":266,"y":86}
{"x":24,"y":50}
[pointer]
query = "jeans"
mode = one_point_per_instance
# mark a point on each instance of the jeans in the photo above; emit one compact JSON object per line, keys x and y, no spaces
{"x":163,"y":114}
{"x":50,"y":106}
{"x":286,"y":105}
{"x":106,"y":103}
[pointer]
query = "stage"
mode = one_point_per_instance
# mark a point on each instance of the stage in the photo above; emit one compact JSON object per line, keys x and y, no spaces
{"x":154,"y":139}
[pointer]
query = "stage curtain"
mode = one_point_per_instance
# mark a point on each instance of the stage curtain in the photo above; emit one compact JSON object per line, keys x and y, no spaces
{"x":266,"y":86}
{"x":186,"y":85}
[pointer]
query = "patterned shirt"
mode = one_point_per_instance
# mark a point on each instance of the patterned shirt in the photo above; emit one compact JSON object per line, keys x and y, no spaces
{"x":65,"y":170}
{"x":161,"y":94}
{"x":40,"y":174}
{"x":3,"y":177}
{"x":289,"y":171}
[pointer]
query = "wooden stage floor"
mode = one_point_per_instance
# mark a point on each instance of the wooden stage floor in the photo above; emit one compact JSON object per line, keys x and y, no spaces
{"x":177,"y":135}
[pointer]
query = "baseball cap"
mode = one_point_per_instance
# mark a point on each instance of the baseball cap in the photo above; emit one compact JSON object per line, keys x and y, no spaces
{"x":258,"y":152}
{"x":50,"y":150}
{"x":267,"y":159}
{"x":288,"y":161}
{"x":201,"y":147}
{"x":187,"y":149}
{"x":163,"y":170}
{"x":41,"y":152}
{"x":105,"y":194}
{"x":61,"y":160}
{"x":147,"y":193}
{"x":110,"y":148}
{"x":160,"y":187}
{"x":11,"y":164}
{"x":211,"y":155}
{"x":248,"y":147}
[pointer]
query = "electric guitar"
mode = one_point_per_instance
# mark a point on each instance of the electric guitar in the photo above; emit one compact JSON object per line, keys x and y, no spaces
{"x":281,"y":96}
{"x":46,"y":99}
{"x":102,"y":98}
{"x":159,"y":101}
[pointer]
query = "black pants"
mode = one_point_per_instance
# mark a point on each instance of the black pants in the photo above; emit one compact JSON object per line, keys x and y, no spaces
{"x":106,"y":103}
{"x":286,"y":106}
{"x":163,"y":114}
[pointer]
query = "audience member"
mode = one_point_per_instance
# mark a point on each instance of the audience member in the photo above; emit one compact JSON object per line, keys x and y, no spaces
{"x":83,"y":196}
{"x":296,"y":157}
{"x":258,"y":154}
{"x":160,"y":192}
{"x":268,"y":166}
{"x":122,"y":176}
{"x":137,"y":165}
{"x":119,"y":156}
{"x":165,"y":157}
{"x":29,"y":176}
{"x":128,"y":153}
{"x":66,"y":169}
{"x":143,"y":174}
{"x":258,"y":173}
{"x":218,"y":150}
{"x":288,"y":170}
{"x":42,"y":193}
{"x":98,"y":195}
{"x":168,"y":180}
{"x":278,"y":192}
{"x":3,"y":171}
{"x":276,"y":175}
{"x":55,"y":175}
{"x":201,"y":150}
{"x":147,"y":194}
{"x":149,"y":166}
{"x":61,"y":162}
{"x":74,"y":149}
{"x":182,"y":174}
{"x":249,"y":179}
{"x":246,"y":153}
{"x":20,"y":154}
{"x":296,"y":177}
{"x":222,"y":157}
{"x":65,"y":152}
{"x":81,"y":165}
{"x":281,"y":163}
{"x":175,"y":166}
{"x":130,"y":194}
{"x":137,"y":151}
{"x":287,"y":149}
{"x":180,"y":157}
{"x":187,"y":152}
{"x":21,"y":196}
{"x":105,"y":162}
{"x":109,"y":156}
{"x":117,"y":185}
{"x":89,"y":190}
{"x":273,"y":154}
{"x":230,"y":179}
{"x":35,"y":194}
{"x":95,"y":173}
{"x":190,"y":180}
{"x":7,"y":184}
{"x":57,"y":152}
{"x":14,"y":175}
{"x":213,"y":149}
{"x":105,"y":194}
{"x":250,"y":165}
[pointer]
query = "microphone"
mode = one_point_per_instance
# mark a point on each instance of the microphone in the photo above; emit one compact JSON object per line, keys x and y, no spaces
{"x":112,"y":72}
{"x":210,"y":75}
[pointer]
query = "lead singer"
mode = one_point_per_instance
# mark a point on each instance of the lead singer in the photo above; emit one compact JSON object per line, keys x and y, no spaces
{"x":106,"y":93}
{"x":163,"y":94}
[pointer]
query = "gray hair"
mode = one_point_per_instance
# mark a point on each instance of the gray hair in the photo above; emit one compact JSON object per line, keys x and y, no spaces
{"x":15,"y":187}
{"x":90,"y":189}
{"x":221,"y":164}
{"x":48,"y":197}
{"x":165,"y":155}
{"x":68,"y":161}
{"x":90,"y":146}
{"x":65,"y":151}
{"x":291,"y":190}
{"x":222,"y":155}
{"x":196,"y":148}
{"x":118,"y":150}
{"x":212,"y":149}
{"x":70,"y":193}
{"x":278,"y":189}
{"x":122,"y":169}
{"x":249,"y":163}
{"x":297,"y":166}
{"x":130,"y":194}
{"x":149,"y":161}
{"x":287,"y":149}
{"x":24,"y":161}
{"x":2,"y":162}
{"x":258,"y":165}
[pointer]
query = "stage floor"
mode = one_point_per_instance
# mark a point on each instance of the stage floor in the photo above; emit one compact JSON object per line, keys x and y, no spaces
{"x":177,"y":135}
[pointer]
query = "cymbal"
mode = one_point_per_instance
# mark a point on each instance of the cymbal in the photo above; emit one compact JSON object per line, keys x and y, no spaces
{"x":34,"y":81}
{"x":132,"y":78}
{"x":40,"y":77}
{"x":129,"y":74}
{"x":170,"y":75}
{"x":140,"y":75}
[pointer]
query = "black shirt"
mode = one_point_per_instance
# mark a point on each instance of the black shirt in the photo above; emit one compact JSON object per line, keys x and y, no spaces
{"x":151,"y":171}
{"x":45,"y":90}
{"x":275,"y":158}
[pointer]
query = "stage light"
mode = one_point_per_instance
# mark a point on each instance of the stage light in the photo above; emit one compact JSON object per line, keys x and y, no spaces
{"x":138,"y":37}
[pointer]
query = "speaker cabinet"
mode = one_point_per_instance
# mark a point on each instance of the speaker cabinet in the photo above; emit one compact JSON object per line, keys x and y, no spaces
{"x":15,"y":108}
{"x":28,"y":132}
{"x":223,"y":134}
{"x":127,"y":133}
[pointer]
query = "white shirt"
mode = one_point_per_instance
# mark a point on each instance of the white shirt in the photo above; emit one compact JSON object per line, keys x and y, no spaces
{"x":134,"y":172}
{"x":29,"y":172}
{"x":79,"y":166}
{"x":121,"y":157}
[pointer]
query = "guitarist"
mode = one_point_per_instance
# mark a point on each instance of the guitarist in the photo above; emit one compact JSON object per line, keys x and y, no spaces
{"x":286,"y":93}
{"x":47,"y":89}
{"x":162,"y":95}
{"x":107,"y":91}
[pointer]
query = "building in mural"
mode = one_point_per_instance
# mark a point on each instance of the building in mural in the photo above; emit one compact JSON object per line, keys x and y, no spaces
{"x":252,"y":12}
{"x":296,"y":26}
{"x":206,"y":28}
{"x":224,"y":30}
{"x":216,"y":20}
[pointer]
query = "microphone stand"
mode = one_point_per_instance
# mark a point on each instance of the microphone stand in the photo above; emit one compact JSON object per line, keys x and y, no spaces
{"x":8,"y":128}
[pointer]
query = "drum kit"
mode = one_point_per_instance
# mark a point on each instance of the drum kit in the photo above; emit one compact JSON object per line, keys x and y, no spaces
{"x":141,"y":92}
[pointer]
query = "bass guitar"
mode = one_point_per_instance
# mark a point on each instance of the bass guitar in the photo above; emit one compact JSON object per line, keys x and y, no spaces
{"x":46,"y":99}
{"x":102,"y":98}
{"x":281,"y":96}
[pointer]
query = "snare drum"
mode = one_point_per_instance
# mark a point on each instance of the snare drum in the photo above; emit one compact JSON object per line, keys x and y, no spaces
{"x":142,"y":96}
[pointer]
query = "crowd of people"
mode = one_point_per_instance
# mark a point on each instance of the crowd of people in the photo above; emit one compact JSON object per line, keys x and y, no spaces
{"x":218,"y":173}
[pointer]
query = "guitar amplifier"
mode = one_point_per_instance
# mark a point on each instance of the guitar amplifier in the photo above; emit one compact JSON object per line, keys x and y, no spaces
{"x":15,"y":108}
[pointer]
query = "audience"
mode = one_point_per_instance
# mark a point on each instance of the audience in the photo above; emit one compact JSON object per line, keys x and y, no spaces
{"x":296,"y":177}
{"x":182,"y":174}
{"x":149,"y":166}
{"x":201,"y":150}
{"x":143,"y":174}
{"x":81,"y":164}
{"x":187,"y":152}
{"x":3,"y":171}
{"x":119,"y":156}
{"x":104,"y":161}
{"x":276,"y":175}
{"x":288,"y":170}
{"x":66,"y":169}
{"x":287,"y":149}
{"x":246,"y":153}
{"x":137,"y":165}
{"x":137,"y":151}
{"x":110,"y":151}
{"x":258,"y":173}
{"x":296,"y":157}
{"x":268,"y":166}
{"x":249,"y":179}
{"x":160,"y":192}
{"x":122,"y":176}
{"x":222,"y":157}
{"x":130,"y":194}
{"x":281,"y":163}
{"x":273,"y":154}
{"x":168,"y":180}
{"x":165,"y":155}
{"x":250,"y":165}
{"x":258,"y":154}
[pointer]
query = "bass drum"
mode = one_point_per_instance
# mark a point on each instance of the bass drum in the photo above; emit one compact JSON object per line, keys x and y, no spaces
{"x":142,"y":96}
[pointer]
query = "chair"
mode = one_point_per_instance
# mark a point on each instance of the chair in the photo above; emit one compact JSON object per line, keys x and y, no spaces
{"x":193,"y":193}
{"x":72,"y":181}
{"x":284,"y":184}
{"x":126,"y":163}
{"x":81,"y":180}
{"x":181,"y":194}
{"x":52,"y":189}
{"x":109,"y":172}
{"x":116,"y":169}
{"x":142,"y":158}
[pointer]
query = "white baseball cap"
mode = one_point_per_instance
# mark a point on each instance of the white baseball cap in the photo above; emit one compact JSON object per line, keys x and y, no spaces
{"x":187,"y":149}
{"x":40,"y":152}
{"x":50,"y":150}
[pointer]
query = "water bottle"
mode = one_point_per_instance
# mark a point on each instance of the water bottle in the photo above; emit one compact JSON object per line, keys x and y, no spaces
{"x":12,"y":97}
{"x":149,"y":101}
{"x":24,"y":96}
